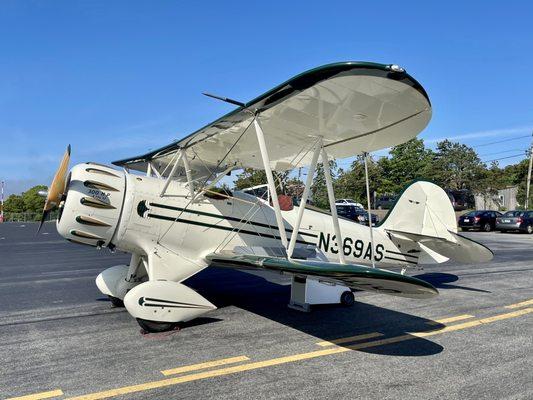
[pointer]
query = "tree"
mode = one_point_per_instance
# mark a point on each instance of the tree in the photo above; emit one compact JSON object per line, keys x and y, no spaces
{"x":14,"y":204}
{"x":319,"y":190}
{"x":29,"y":201}
{"x":517,"y":175}
{"x":406,"y":162}
{"x":456,"y":166}
{"x":351,"y":184}
{"x":33,"y":202}
{"x":250,"y":177}
{"x":253,"y":177}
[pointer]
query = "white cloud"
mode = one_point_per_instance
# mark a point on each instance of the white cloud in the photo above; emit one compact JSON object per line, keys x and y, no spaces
{"x":483,"y":134}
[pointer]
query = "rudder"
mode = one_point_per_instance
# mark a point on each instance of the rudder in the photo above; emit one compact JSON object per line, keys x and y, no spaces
{"x":423,"y":208}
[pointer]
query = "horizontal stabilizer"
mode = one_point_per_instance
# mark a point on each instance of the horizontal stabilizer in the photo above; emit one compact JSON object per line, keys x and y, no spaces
{"x":458,"y":248}
{"x":424,"y":214}
{"x":351,"y":275}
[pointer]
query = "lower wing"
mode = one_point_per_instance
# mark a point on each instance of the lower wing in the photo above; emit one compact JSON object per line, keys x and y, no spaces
{"x":350,"y":275}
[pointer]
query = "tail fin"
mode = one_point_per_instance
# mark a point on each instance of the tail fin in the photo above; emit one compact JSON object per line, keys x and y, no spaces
{"x":424,"y":214}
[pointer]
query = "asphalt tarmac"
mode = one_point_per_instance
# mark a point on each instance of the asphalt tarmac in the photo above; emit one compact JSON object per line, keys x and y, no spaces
{"x":60,"y":338}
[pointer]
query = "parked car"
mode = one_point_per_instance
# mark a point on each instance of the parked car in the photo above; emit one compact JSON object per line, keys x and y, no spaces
{"x":462,"y":199}
{"x":356,"y":214}
{"x":348,"y":202}
{"x":385,"y":202}
{"x":515,"y":221}
{"x":483,"y":220}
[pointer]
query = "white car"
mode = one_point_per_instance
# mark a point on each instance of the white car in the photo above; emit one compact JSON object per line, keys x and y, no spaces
{"x":348,"y":202}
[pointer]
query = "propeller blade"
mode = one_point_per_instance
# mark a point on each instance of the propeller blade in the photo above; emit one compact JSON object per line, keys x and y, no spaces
{"x":43,"y":218}
{"x":57,"y":187}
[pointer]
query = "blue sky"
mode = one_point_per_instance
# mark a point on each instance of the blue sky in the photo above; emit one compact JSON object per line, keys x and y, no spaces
{"x":115,"y":79}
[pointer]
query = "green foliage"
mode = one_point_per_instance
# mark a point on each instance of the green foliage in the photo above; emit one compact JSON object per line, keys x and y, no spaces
{"x":250,"y":177}
{"x":456,"y":166}
{"x":517,"y":174}
{"x":14,"y":203}
{"x":32,"y":200}
{"x":407,"y":162}
{"x":351,"y":184}
{"x":451,"y":165}
{"x":318,"y":190}
{"x":29,"y":201}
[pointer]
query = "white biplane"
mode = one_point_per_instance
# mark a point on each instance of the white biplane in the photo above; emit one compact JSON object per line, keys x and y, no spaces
{"x":175,"y":221}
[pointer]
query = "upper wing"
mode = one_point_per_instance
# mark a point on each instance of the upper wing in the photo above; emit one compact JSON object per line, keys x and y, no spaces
{"x":355,"y":106}
{"x":351,"y":275}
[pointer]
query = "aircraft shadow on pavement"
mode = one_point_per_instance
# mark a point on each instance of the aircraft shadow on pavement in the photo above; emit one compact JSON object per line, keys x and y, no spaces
{"x":442,"y":281}
{"x":327,"y":322}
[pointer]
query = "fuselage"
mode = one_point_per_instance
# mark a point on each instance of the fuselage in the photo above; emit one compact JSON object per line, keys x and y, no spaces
{"x":145,"y":221}
{"x":211,"y":224}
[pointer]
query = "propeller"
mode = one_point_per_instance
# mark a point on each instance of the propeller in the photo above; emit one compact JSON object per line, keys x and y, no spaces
{"x":57,"y":187}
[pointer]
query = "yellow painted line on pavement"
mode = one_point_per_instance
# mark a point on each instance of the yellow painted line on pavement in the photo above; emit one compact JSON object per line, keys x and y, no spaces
{"x":293,"y":358}
{"x":451,"y":328}
{"x":522,"y":304}
{"x":499,"y":317}
{"x":209,"y":374}
{"x":205,"y":365}
{"x":349,"y":339}
{"x":450,"y":319}
{"x":39,"y":396}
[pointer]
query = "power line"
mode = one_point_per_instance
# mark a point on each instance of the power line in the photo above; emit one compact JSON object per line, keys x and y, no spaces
{"x":347,"y":162}
{"x":503,"y":141}
{"x":504,"y":158}
{"x":501,"y":152}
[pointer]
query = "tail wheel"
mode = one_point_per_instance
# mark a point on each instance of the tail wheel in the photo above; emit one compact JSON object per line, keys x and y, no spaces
{"x":487,"y":227}
{"x":156,"y":327}
{"x":347,"y":299}
{"x":529,"y":229}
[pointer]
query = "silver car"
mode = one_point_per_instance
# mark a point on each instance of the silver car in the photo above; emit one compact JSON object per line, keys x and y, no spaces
{"x":515,"y":221}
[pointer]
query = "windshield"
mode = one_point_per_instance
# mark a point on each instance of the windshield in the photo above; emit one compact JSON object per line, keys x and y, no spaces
{"x":260,"y":192}
{"x":513,"y":214}
{"x":473,"y":213}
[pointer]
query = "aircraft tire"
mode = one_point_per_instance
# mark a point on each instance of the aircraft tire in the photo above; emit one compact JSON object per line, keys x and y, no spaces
{"x":347,"y":298}
{"x":155,"y":327}
{"x":116,"y":302}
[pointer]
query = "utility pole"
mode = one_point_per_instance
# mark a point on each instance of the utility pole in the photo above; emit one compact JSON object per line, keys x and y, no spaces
{"x":528,"y":183}
{"x":2,"y":201}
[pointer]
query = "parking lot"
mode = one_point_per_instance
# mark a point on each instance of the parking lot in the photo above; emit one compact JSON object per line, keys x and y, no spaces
{"x":60,"y":338}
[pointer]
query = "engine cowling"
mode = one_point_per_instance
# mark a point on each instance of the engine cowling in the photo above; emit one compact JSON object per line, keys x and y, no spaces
{"x":91,"y":208}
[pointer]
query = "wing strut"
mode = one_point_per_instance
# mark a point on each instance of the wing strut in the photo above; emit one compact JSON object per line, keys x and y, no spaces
{"x":188,"y":174}
{"x":319,"y":149}
{"x":365,"y":155}
{"x":331,"y":197}
{"x":151,"y":170}
{"x":172,"y":172}
{"x":270,"y":181}
{"x":303,"y":201}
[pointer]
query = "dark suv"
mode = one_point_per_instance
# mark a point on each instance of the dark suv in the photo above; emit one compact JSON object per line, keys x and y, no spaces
{"x":515,"y":221}
{"x":462,"y":199}
{"x":385,"y":202}
{"x":356,"y":214}
{"x":483,"y":220}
